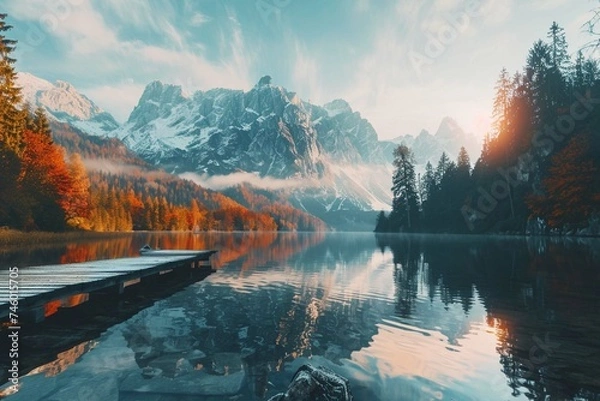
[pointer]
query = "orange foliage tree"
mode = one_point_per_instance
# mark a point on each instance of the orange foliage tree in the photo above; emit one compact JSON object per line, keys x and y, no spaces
{"x":570,"y":187}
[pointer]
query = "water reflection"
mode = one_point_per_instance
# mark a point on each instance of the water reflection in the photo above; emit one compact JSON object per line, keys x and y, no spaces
{"x":403,"y":317}
{"x":540,"y":295}
{"x":253,"y":248}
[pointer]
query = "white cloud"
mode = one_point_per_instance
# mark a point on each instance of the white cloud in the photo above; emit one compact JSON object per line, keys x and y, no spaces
{"x":495,"y":12}
{"x":118,"y":99}
{"x":220,"y":182}
{"x":75,"y":22}
{"x":95,"y":50}
{"x":111,"y":167}
{"x":549,"y":4}
{"x":199,"y":19}
{"x":305,"y":74}
{"x":362,"y":6}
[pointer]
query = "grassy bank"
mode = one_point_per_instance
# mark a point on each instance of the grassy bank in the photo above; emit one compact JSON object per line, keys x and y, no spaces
{"x":11,"y":238}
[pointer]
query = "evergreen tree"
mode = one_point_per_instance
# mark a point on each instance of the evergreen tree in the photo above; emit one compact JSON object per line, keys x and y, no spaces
{"x":463,"y":162}
{"x":559,"y":65}
{"x":578,"y":74}
{"x":428,"y":182}
{"x":405,"y":205}
{"x":12,"y":120}
{"x":442,"y":168}
{"x":501,"y":102}
{"x":41,"y":125}
{"x":591,"y":72}
{"x":538,"y":65}
{"x":381,"y":224}
{"x":559,"y":55}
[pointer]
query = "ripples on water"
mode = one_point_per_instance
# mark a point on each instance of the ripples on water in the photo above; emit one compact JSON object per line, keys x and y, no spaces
{"x":403,"y":317}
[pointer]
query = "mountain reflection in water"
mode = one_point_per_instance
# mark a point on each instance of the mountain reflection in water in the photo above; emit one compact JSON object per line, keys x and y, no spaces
{"x":403,"y":317}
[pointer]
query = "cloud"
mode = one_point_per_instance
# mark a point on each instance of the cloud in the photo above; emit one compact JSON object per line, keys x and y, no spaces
{"x":108,"y":166}
{"x":305,"y":74}
{"x":362,"y":6}
{"x":549,"y":4}
{"x":198,"y":19}
{"x":75,"y":22}
{"x":118,"y":98}
{"x":122,"y":67}
{"x":220,"y":182}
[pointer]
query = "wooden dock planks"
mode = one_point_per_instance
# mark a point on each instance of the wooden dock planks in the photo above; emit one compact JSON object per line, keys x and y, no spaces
{"x":38,"y":285}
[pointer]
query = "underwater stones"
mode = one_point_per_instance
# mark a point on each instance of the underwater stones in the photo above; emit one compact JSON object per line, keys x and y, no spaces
{"x":226,"y":362}
{"x":316,"y":384}
{"x":196,"y":383}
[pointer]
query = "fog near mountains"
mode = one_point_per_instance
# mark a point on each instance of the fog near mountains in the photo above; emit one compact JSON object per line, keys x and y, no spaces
{"x":221,"y":182}
{"x":324,"y":158}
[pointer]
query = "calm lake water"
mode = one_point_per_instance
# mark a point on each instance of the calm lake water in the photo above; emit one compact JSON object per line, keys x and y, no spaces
{"x":413,"y":318}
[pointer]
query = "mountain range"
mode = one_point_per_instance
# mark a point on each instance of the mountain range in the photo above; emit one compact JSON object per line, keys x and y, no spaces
{"x":448,"y":138}
{"x":326,"y":160}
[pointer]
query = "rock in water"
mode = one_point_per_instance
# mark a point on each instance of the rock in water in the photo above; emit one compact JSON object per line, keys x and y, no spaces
{"x":316,"y":384}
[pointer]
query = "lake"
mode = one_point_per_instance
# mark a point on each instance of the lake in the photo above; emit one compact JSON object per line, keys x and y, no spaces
{"x":403,"y":317}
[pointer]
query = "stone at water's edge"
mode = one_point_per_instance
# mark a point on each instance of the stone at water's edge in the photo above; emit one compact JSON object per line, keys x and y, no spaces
{"x":316,"y":384}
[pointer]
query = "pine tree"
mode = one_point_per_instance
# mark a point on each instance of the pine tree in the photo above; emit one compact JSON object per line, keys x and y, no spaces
{"x":41,"y":125}
{"x":12,"y":120}
{"x":381,"y":224}
{"x":442,"y":168}
{"x":559,"y":65}
{"x":501,"y":102}
{"x":559,"y":54}
{"x":539,"y":62}
{"x":591,"y":72}
{"x":405,"y":205}
{"x":463,"y":162}
{"x":428,"y":182}
{"x":578,"y":74}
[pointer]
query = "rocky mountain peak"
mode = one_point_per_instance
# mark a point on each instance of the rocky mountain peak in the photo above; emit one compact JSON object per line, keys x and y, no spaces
{"x":337,"y":106}
{"x":264,"y":81}
{"x":64,"y":103}
{"x":158,"y":100}
{"x":450,"y":130}
{"x":65,"y":86}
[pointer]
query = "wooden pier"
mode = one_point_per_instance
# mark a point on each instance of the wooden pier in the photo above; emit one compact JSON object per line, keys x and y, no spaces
{"x":39,"y":286}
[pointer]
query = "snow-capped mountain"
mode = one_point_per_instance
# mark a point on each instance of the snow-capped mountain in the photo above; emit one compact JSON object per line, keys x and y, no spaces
{"x":267,"y":131}
{"x":449,"y":138}
{"x":65,"y":104}
{"x":221,"y":131}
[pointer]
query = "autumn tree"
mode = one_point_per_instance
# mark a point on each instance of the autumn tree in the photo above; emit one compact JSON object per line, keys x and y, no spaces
{"x":45,"y":181}
{"x":571,"y":190}
{"x":77,"y":207}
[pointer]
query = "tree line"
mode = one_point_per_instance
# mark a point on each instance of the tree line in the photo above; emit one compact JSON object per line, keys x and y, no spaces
{"x":538,"y":171}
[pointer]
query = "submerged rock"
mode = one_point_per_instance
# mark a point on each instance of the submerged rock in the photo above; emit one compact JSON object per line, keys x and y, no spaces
{"x":224,"y":363}
{"x":196,"y":383}
{"x":316,"y":384}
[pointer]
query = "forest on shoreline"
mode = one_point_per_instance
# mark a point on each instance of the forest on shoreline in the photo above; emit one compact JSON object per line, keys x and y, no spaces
{"x":539,"y":169}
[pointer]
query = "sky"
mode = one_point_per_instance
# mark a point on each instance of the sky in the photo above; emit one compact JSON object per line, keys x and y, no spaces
{"x":403,"y":64}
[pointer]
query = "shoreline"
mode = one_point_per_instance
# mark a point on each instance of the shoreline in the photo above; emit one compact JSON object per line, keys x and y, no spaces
{"x":10,"y":238}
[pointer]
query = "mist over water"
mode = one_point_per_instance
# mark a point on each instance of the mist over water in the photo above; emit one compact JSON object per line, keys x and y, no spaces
{"x":402,"y":317}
